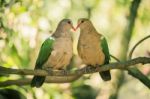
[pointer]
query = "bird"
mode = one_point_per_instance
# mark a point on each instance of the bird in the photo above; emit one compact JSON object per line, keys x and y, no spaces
{"x":56,"y":51}
{"x":93,"y":47}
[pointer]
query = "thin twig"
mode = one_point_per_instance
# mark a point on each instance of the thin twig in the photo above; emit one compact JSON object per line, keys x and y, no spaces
{"x":135,"y":46}
{"x":115,"y":58}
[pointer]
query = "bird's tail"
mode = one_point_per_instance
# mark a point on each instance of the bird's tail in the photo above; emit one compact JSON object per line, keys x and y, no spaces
{"x":37,"y":81}
{"x":105,"y":75}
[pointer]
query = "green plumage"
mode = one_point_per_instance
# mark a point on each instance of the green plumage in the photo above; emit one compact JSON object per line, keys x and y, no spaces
{"x":105,"y":50}
{"x":104,"y":45}
{"x":43,"y":56}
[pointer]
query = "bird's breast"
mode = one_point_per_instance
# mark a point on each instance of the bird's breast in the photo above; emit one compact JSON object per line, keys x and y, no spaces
{"x":90,"y":51}
{"x":61,"y":54}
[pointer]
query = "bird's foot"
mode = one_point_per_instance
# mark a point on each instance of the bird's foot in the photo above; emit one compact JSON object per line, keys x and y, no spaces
{"x":49,"y":70}
{"x":97,"y":65}
{"x":89,"y":67}
{"x":64,"y":72}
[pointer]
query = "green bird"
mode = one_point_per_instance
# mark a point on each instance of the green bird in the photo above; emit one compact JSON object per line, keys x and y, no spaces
{"x":92,"y":47}
{"x":56,"y":51}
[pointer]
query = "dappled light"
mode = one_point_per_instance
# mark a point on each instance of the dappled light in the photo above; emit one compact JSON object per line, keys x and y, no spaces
{"x":26,"y":24}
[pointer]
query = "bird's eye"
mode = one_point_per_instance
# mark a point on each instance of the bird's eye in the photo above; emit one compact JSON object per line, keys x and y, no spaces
{"x":82,"y":21}
{"x":69,"y":22}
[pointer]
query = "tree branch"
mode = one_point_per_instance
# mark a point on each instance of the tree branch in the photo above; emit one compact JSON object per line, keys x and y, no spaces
{"x":134,"y":72}
{"x":86,"y":70}
{"x":139,"y":42}
{"x":49,"y":79}
{"x":60,"y":76}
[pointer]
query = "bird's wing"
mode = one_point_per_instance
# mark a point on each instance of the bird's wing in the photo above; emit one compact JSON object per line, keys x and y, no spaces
{"x":105,"y":49}
{"x":44,"y":53}
{"x":106,"y":76}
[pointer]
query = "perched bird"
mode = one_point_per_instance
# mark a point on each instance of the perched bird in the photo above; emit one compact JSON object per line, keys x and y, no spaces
{"x":92,"y":47}
{"x":56,"y":51}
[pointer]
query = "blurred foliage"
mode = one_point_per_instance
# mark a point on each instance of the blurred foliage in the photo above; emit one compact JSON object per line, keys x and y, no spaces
{"x":24,"y":24}
{"x":84,"y":92}
{"x":11,"y":94}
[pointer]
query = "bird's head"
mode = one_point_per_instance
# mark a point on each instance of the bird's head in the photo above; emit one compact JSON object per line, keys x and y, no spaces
{"x":83,"y":23}
{"x":66,"y":24}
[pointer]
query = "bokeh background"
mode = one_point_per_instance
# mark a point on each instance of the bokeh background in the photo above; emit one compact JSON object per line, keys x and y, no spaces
{"x":25,"y":24}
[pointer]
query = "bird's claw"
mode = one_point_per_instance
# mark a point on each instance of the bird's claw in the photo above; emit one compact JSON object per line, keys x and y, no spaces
{"x":88,"y":66}
{"x":97,"y":65}
{"x":49,"y":70}
{"x":64,"y":72}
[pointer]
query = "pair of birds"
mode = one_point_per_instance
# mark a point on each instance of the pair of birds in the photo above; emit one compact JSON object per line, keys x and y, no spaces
{"x":56,"y":51}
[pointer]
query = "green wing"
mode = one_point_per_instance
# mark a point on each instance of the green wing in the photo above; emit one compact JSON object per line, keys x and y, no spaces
{"x":105,"y":50}
{"x":105,"y":75}
{"x":44,"y":54}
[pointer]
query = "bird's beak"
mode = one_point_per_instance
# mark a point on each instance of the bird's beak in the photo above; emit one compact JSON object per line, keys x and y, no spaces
{"x":73,"y":28}
{"x":77,"y":26}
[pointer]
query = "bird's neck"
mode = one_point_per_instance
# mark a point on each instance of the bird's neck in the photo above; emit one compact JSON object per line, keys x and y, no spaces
{"x":62,"y":33}
{"x":89,"y":30}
